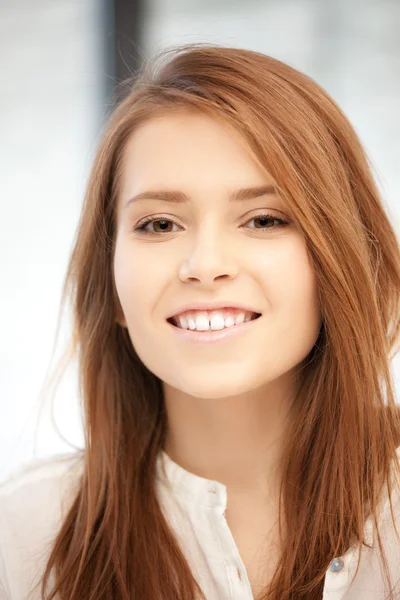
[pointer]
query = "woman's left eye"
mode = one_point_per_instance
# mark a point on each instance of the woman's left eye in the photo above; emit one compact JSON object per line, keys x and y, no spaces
{"x":268,"y":218}
{"x":163,"y":223}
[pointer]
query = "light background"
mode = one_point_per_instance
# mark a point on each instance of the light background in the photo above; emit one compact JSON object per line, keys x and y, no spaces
{"x":52,"y":106}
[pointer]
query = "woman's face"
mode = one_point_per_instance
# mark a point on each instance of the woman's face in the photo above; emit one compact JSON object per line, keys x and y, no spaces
{"x":209,"y":249}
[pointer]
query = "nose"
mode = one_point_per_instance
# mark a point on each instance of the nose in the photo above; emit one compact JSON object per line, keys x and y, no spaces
{"x":207,"y":260}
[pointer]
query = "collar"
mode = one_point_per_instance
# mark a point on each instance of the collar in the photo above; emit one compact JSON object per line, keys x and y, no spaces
{"x":187,"y":486}
{"x":191,"y":488}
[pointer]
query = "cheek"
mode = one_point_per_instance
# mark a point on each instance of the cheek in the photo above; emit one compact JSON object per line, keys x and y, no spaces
{"x":286,"y":271}
{"x":132,"y":281}
{"x":303,"y":309}
{"x":291,"y":289}
{"x":138,"y":280}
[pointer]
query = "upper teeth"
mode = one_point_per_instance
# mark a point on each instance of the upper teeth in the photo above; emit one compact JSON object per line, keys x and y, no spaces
{"x":217,"y":319}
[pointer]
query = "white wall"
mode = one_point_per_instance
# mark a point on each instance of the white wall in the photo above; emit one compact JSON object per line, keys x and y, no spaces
{"x":50,"y":112}
{"x":51,"y":108}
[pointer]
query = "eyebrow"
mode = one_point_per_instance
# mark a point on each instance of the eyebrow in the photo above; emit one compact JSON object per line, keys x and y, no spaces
{"x":179,"y":197}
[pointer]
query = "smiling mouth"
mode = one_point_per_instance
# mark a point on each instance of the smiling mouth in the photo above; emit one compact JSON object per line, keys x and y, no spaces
{"x":173,"y":321}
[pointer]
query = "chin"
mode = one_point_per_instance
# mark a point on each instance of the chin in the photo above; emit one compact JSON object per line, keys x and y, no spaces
{"x":214,"y":390}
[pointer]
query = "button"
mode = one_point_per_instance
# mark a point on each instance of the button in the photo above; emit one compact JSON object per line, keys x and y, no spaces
{"x":337,"y":564}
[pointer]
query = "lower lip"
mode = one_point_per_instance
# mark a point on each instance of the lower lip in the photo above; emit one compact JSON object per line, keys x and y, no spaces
{"x":210,"y":337}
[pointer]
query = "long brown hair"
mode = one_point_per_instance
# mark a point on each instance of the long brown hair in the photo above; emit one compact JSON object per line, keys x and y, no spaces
{"x":115,"y":543}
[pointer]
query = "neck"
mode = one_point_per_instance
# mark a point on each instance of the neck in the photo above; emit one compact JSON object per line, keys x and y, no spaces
{"x":237,"y":441}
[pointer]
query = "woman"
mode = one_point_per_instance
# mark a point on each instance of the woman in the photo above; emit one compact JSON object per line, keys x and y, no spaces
{"x":235,"y":283}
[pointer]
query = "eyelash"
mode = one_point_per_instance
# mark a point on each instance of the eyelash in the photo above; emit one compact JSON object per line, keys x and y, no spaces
{"x":140,"y":228}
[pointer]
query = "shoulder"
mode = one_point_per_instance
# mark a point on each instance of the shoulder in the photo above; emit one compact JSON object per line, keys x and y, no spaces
{"x":394,"y":497}
{"x":34,"y":500}
{"x":39,"y":483}
{"x":389,"y":511}
{"x":40,"y":470}
{"x":395,"y":473}
{"x":39,"y":489}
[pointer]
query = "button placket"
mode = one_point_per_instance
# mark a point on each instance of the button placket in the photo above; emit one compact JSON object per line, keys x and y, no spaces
{"x":239,"y":585}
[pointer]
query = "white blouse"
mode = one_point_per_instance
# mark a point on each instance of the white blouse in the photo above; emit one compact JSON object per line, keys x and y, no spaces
{"x":34,"y":501}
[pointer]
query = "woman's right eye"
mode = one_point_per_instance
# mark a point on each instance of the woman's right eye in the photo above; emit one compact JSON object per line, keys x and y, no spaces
{"x":141,"y":228}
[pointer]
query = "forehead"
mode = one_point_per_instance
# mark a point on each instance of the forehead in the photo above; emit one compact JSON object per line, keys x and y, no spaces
{"x":184,"y":148}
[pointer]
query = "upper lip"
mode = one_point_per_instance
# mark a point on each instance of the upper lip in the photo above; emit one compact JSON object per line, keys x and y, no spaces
{"x":212,"y":306}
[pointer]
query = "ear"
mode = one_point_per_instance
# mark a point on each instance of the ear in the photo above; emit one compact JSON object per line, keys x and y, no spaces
{"x":121,"y":321}
{"x":120,"y":317}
